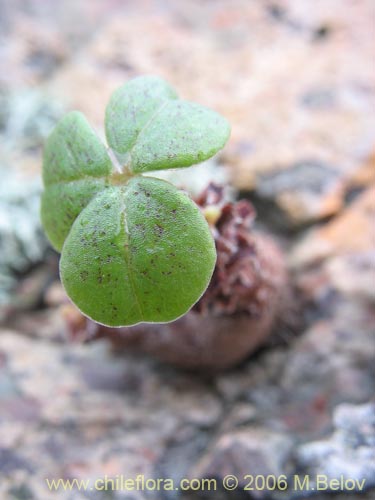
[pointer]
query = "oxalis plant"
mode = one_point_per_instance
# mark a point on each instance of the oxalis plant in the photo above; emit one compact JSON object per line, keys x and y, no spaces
{"x":133,"y":247}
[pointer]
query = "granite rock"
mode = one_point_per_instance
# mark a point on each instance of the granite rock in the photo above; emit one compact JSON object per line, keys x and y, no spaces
{"x":296,"y":82}
{"x":22,"y":241}
{"x":349,"y":451}
{"x":248,"y":451}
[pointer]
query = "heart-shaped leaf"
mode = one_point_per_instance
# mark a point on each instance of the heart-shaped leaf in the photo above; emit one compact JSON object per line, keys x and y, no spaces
{"x":150,"y":129}
{"x":130,"y":109}
{"x":138,"y":252}
{"x":76,"y":167}
{"x":61,"y":203}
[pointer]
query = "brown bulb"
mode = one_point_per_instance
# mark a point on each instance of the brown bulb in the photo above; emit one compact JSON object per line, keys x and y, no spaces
{"x":238,"y":310}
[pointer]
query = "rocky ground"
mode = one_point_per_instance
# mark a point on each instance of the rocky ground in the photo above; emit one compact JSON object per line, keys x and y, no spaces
{"x":296,"y":81}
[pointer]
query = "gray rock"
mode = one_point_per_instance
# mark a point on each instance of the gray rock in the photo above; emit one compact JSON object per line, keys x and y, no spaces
{"x":349,"y":451}
{"x":26,"y":118}
{"x":22,"y":242}
{"x":251,"y":450}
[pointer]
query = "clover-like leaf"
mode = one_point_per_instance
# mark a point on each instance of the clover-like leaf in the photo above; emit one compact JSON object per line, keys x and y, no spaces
{"x":76,"y":167}
{"x":138,"y":252}
{"x":133,"y":248}
{"x":150,"y":129}
{"x":130,"y":108}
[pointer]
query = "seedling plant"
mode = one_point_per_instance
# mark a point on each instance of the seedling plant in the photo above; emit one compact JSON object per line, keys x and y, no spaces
{"x":133,"y":247}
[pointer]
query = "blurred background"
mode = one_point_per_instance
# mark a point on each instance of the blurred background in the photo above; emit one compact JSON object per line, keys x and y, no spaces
{"x":296,"y":79}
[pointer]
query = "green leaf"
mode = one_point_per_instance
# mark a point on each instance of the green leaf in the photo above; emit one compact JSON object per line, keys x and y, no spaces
{"x":131,"y":107}
{"x":150,"y":129}
{"x":75,"y":168}
{"x":61,"y":204}
{"x":139,"y":252}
